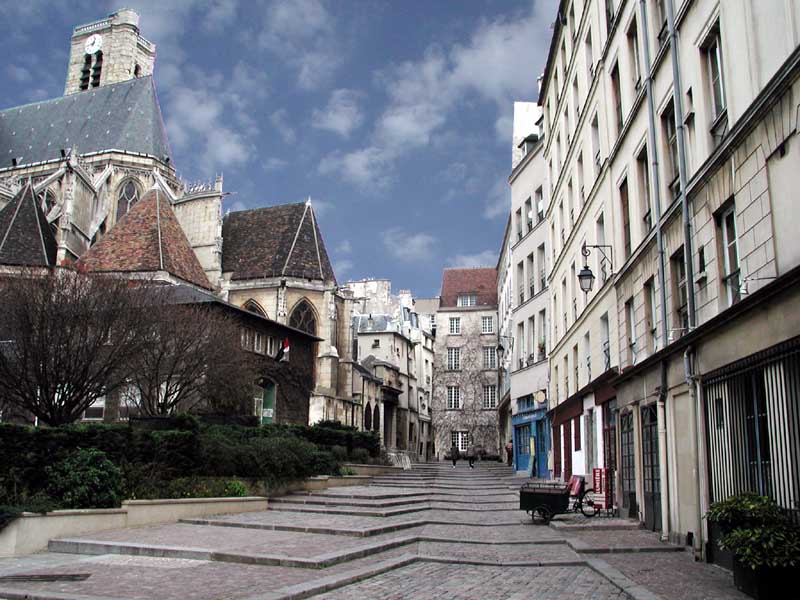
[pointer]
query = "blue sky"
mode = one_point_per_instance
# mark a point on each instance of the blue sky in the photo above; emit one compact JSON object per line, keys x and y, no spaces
{"x":395,"y":117}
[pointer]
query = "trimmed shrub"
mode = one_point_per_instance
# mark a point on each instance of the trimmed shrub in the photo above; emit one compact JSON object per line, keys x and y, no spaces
{"x":360,"y":456}
{"x":86,"y":479}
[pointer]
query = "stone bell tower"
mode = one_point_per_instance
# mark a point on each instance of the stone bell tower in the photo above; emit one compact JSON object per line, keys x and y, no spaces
{"x":108,"y":51}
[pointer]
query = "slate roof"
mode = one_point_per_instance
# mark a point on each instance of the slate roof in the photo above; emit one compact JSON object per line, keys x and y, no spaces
{"x":147,"y":239}
{"x":481,"y":281}
{"x":25,"y":236}
{"x":122,"y":116}
{"x":275,"y":241}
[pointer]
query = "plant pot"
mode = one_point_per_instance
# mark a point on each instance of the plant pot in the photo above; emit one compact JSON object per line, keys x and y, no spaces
{"x":763,"y":583}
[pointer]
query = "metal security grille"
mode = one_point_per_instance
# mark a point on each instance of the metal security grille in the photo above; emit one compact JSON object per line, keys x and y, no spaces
{"x":652,"y":481}
{"x":628,"y":463}
{"x":610,"y":448}
{"x":753,"y":426}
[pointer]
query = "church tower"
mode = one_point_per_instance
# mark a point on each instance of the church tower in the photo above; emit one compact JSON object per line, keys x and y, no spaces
{"x":108,"y":51}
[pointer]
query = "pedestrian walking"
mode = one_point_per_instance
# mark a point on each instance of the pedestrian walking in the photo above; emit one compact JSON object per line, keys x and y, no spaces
{"x":454,"y":454}
{"x":509,"y":452}
{"x":471,"y":456}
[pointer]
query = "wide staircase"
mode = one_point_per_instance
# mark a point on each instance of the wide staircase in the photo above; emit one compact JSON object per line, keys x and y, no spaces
{"x":428,"y":532}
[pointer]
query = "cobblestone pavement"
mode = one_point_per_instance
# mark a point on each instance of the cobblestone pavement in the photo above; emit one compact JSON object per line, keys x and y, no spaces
{"x":461,"y":538}
{"x":427,"y":581}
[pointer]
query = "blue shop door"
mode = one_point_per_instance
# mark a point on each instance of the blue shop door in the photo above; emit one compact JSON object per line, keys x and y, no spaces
{"x":541,"y":449}
{"x":522,"y":436}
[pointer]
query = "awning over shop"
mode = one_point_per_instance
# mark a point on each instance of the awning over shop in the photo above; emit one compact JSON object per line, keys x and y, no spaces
{"x":573,"y":406}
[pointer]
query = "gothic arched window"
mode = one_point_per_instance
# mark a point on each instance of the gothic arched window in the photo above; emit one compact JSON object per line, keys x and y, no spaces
{"x":254,"y":307}
{"x":376,"y":419}
{"x":128,"y":196}
{"x":304,"y":318}
{"x":368,"y":418}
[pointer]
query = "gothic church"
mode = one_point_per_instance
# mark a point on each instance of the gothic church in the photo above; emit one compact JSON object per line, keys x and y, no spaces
{"x":73,"y":167}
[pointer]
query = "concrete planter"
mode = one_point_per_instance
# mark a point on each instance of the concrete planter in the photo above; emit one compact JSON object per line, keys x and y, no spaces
{"x":373,"y":470}
{"x":31,"y":532}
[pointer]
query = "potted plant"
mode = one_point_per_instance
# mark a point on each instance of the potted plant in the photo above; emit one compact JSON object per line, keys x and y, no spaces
{"x":765,"y":544}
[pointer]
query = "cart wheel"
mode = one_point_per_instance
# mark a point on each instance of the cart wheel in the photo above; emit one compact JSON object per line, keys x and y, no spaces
{"x":544,"y":513}
{"x":588,"y":507}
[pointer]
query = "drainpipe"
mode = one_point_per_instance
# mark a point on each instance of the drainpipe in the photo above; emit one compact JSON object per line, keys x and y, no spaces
{"x":694,"y":397}
{"x":656,"y":185}
{"x":682,"y":175}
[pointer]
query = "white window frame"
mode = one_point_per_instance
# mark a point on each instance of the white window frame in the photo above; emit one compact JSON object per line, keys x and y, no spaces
{"x":453,"y":397}
{"x":454,"y":359}
{"x":726,"y":246}
{"x":258,"y":342}
{"x":713,"y":52}
{"x":460,"y":439}
{"x":98,"y":403}
{"x":455,"y":325}
{"x":489,"y":396}
{"x":489,"y":357}
{"x":467,"y":300}
{"x":487,"y":320}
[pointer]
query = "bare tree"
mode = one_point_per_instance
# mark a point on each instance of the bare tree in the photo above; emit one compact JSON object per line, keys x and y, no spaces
{"x":192,"y":356}
{"x":65,"y":340}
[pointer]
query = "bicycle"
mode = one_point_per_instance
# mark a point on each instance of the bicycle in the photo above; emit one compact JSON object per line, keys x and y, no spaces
{"x":583,"y":497}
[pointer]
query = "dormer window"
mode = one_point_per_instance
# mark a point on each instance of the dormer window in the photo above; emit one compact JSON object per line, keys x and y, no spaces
{"x":467,"y":299}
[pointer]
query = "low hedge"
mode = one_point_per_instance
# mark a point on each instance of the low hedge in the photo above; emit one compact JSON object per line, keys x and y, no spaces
{"x":158,"y":457}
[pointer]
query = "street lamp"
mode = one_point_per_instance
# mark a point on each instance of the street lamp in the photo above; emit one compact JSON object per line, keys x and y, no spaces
{"x":586,"y":277}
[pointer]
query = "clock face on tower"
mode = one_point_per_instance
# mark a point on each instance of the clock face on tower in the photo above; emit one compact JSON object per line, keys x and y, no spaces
{"x":93,"y":44}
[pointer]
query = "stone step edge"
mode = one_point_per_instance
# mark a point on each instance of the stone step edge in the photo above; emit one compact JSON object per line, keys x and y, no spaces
{"x":329,"y":501}
{"x":97,"y":547}
{"x":325,"y":510}
{"x":368,"y":532}
{"x":386,"y":496}
{"x":21,"y":594}
{"x":586,"y":548}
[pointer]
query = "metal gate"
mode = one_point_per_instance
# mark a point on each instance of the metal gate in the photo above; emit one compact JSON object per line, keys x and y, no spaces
{"x":652,"y":481}
{"x":610,"y":448}
{"x":753,"y":427}
{"x":628,"y":459}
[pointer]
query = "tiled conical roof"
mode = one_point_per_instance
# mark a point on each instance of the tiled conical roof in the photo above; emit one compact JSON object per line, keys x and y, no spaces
{"x":275,"y":241}
{"x":147,"y":239}
{"x":25,"y":236}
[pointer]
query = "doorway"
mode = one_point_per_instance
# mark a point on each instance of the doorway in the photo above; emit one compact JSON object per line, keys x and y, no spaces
{"x":652,"y":481}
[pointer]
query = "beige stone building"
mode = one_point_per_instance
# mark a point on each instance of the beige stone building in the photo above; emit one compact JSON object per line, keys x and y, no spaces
{"x":92,"y":154}
{"x":464,"y":402}
{"x":526,"y":296}
{"x":679,"y":120}
{"x":387,"y":329}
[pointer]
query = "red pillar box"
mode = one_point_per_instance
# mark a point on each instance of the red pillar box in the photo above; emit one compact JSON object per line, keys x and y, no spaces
{"x":601,"y":488}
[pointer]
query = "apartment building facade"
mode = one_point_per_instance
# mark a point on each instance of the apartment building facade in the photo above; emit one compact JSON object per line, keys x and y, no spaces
{"x":464,"y":403}
{"x":582,"y":356}
{"x":696,"y":106}
{"x":529,"y":300}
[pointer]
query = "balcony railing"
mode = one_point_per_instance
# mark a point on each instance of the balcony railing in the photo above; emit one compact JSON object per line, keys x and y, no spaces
{"x":607,"y":354}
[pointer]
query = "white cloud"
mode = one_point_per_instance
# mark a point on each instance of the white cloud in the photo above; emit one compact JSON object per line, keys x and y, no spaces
{"x":275,"y":164}
{"x":365,"y":167}
{"x":18,"y":73}
{"x":498,"y":202}
{"x":321,"y":207}
{"x":344,"y":247}
{"x":342,"y":115}
{"x":487,"y":258}
{"x":303,"y":34}
{"x":408,"y":247}
{"x":495,"y":66}
{"x":342,"y":266}
{"x":280,"y":121}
